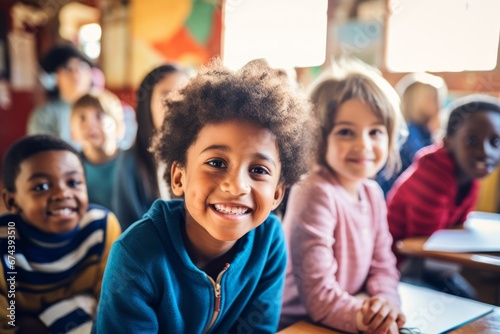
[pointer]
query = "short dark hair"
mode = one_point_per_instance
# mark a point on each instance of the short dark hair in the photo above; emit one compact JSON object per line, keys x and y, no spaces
{"x":462,"y":108}
{"x":257,"y":94}
{"x":26,"y":147}
{"x":59,"y":56}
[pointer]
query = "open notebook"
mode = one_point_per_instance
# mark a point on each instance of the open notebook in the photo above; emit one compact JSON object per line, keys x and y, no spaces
{"x":436,"y":312}
{"x":481,"y":233}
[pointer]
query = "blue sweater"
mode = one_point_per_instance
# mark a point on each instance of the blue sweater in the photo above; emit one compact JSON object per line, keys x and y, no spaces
{"x":151,"y":285}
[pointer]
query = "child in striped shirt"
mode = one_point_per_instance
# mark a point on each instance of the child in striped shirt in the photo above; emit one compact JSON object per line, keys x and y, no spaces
{"x":53,"y":244}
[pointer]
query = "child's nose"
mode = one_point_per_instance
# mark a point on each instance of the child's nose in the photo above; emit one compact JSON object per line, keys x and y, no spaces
{"x":236,"y":183}
{"x":61,"y":192}
{"x":364,"y":141}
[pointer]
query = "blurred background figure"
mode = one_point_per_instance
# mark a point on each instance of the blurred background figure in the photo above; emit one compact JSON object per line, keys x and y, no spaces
{"x":99,"y":84}
{"x":97,"y":125}
{"x":139,"y":180}
{"x":422,"y":97}
{"x":66,"y":76}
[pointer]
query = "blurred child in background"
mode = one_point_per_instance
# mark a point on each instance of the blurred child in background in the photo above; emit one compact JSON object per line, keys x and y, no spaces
{"x":67,"y":76}
{"x":422,"y":96}
{"x":441,"y":187}
{"x":97,"y":125}
{"x":139,"y":181}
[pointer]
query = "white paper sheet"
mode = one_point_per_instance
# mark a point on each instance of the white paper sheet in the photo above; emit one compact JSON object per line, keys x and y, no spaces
{"x":436,"y":312}
{"x":481,"y":233}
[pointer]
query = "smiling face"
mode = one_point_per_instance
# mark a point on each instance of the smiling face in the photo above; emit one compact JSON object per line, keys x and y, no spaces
{"x":50,"y":191}
{"x":357,"y":146}
{"x":231,"y":180}
{"x":475,"y":145}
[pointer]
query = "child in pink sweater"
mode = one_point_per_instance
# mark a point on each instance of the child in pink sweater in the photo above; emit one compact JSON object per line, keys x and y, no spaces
{"x":335,"y":223}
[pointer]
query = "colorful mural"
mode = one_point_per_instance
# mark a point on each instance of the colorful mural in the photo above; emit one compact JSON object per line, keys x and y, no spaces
{"x":182,"y":31}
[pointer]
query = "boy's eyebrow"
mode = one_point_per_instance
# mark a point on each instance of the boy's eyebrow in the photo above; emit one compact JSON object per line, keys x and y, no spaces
{"x":45,"y":175}
{"x":216,"y":148}
{"x":227,"y":149}
{"x":265,"y":157}
{"x":38,"y":175}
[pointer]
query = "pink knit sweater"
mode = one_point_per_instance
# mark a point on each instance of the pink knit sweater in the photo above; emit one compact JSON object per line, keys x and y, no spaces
{"x":337,"y":248}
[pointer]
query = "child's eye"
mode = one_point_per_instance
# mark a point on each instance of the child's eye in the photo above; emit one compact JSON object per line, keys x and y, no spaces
{"x":376,"y":132}
{"x":345,"y":132}
{"x":471,"y":140}
{"x":495,"y":142}
{"x":41,"y":187}
{"x":74,"y":183}
{"x":217,"y":163}
{"x":259,"y":170}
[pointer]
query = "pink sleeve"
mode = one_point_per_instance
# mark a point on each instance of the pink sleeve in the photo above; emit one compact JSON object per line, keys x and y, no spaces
{"x":313,"y":220}
{"x":383,"y":277}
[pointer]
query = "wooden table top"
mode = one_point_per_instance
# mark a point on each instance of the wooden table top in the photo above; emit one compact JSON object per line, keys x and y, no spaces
{"x":414,"y":247}
{"x":488,"y":324}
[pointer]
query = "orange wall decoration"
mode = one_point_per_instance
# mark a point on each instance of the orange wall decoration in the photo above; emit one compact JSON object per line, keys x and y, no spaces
{"x":181,"y":31}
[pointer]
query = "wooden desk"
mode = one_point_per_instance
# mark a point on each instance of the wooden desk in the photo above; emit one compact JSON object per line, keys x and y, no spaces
{"x":487,"y":324}
{"x":431,"y":311}
{"x":414,"y":247}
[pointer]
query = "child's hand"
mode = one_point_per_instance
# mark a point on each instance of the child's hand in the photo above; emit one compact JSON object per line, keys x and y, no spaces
{"x":379,"y":316}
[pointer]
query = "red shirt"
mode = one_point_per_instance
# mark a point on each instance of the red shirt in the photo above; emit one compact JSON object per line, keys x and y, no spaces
{"x":422,"y":200}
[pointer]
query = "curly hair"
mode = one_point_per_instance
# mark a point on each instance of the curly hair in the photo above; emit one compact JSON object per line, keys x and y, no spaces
{"x":329,"y":93}
{"x":257,"y":94}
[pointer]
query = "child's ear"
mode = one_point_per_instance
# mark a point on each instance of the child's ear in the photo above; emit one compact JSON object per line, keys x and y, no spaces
{"x":279,"y":193}
{"x":10,"y":201}
{"x":177,"y":179}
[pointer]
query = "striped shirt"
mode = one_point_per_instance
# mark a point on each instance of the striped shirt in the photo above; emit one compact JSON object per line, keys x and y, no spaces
{"x":422,"y":200}
{"x":57,"y":276}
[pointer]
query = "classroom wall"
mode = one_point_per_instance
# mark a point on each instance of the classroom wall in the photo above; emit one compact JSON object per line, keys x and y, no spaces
{"x":190,"y":34}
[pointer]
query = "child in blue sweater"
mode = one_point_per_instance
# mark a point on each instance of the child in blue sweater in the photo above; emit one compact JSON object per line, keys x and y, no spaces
{"x":214,"y":262}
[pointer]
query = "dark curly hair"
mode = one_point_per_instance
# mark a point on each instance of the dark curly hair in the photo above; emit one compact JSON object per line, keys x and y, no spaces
{"x":257,"y":94}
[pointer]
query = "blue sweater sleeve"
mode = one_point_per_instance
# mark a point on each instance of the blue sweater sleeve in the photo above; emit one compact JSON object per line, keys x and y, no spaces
{"x":261,"y":315}
{"x":127,"y":296}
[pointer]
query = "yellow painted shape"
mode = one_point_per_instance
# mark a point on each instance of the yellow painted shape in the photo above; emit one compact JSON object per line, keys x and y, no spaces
{"x":158,"y":20}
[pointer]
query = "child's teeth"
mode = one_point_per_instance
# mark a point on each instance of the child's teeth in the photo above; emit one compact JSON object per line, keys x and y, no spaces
{"x":61,"y":212}
{"x":233,"y":210}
